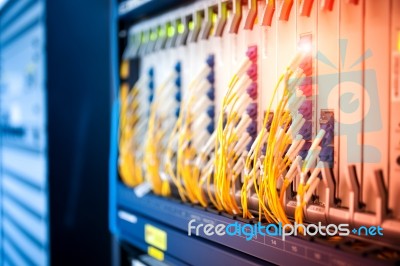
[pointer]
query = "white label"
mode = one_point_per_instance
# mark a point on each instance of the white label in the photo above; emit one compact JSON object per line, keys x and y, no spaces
{"x":127,"y":217}
{"x":137,"y":263}
{"x":142,"y":189}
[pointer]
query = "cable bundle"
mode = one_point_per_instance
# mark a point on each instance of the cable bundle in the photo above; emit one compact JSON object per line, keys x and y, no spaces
{"x":163,"y":113}
{"x":133,"y":126}
{"x":280,"y":164}
{"x":179,"y":148}
{"x":189,"y":135}
{"x":236,"y":130}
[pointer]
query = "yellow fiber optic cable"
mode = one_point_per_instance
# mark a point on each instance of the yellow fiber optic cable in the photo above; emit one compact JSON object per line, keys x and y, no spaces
{"x":153,"y":145}
{"x":128,"y":164}
{"x":186,"y":175}
{"x":275,"y":162}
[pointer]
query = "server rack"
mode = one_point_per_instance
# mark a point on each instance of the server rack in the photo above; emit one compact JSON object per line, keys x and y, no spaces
{"x":130,"y":215}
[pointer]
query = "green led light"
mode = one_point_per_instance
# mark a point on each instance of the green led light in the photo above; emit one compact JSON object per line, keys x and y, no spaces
{"x":214,"y":18}
{"x":181,"y":28}
{"x":170,"y":31}
{"x":191,"y":25}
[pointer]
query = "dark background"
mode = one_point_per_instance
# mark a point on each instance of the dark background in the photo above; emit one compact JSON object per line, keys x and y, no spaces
{"x":79,"y":104}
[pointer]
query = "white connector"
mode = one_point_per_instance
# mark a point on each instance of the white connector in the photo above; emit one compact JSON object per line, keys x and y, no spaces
{"x":141,"y":82}
{"x":311,"y":158}
{"x":264,"y":138}
{"x":294,"y":64}
{"x":278,"y":138}
{"x":201,"y":105}
{"x":293,"y":169}
{"x":239,"y":165}
{"x":207,"y":170}
{"x":201,"y":88}
{"x":199,"y":123}
{"x":258,"y":174}
{"x":207,"y":148}
{"x":315,"y":173}
{"x":313,"y":181}
{"x":202,"y":74}
{"x":318,"y":139}
{"x":242,"y":125}
{"x":241,"y":105}
{"x":241,"y":85}
{"x":296,"y":125}
{"x":295,"y":143}
{"x":243,"y":66}
{"x":295,"y":101}
{"x":200,"y":138}
{"x":297,"y":149}
{"x":241,"y":144}
{"x":295,"y":80}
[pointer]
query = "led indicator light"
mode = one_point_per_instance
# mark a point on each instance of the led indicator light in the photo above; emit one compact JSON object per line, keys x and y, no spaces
{"x":181,"y":28}
{"x":214,"y":19}
{"x":191,"y":25}
{"x":170,"y":31}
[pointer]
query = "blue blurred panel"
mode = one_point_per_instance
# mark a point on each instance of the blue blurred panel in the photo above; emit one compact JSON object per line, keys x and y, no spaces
{"x":31,"y":197}
{"x":34,"y":254}
{"x":34,"y":169}
{"x":32,"y":225}
{"x":13,"y":257}
{"x":23,"y":149}
{"x":22,"y":80}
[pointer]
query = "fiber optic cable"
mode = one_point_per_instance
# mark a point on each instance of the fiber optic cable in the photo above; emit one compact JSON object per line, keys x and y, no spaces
{"x":274,"y":162}
{"x":305,"y":189}
{"x":229,"y":147}
{"x":158,"y":134}
{"x":131,"y":117}
{"x":185,"y":175}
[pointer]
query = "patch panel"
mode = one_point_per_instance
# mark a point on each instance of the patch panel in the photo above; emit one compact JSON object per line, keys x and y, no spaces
{"x":322,"y":82}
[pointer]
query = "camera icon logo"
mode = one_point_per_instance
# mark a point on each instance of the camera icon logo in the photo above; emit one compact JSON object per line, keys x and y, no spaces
{"x":358,"y":101}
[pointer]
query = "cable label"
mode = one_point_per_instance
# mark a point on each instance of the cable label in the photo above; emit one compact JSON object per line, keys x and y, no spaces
{"x":155,"y":237}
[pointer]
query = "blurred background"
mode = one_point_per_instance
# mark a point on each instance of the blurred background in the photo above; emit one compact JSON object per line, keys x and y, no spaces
{"x":55,"y":95}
